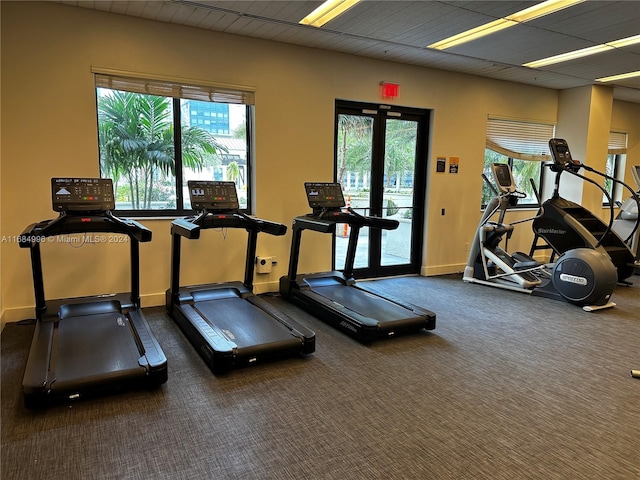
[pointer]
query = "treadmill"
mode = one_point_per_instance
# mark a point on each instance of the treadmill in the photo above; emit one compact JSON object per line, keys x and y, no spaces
{"x":227,"y":324}
{"x":334,"y":297}
{"x":96,"y":345}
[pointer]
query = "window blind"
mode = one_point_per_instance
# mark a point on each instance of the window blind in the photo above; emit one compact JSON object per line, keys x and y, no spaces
{"x":176,"y":88}
{"x":520,"y":140}
{"x":617,"y":143}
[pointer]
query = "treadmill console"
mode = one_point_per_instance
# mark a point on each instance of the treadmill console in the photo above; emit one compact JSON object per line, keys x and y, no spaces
{"x":324,"y":195}
{"x":82,"y":194}
{"x":213,"y":195}
{"x":503,"y":177}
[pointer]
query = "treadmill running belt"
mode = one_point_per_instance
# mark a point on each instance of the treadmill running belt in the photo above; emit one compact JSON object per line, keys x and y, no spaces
{"x":243,"y":323}
{"x":94,"y":348}
{"x":365,"y":303}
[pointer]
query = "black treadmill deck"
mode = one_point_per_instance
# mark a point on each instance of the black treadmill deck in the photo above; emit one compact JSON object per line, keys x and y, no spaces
{"x":231,"y":327}
{"x":83,"y":348}
{"x":93,"y":349}
{"x":359,"y":313}
{"x":257,"y":327}
{"x":365,"y":303}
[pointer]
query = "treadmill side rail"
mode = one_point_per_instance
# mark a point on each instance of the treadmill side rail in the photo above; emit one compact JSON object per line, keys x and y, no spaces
{"x":156,"y":361}
{"x":306,"y":336}
{"x":215,"y":349}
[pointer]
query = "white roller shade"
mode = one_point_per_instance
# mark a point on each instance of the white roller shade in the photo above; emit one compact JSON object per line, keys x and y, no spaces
{"x":617,"y":143}
{"x":172,"y":87}
{"x":520,"y":140}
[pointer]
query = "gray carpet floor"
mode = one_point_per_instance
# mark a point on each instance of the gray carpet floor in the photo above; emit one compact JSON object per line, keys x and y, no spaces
{"x":507,"y":386}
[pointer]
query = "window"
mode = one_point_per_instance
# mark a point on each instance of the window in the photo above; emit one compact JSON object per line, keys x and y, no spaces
{"x":153,"y":138}
{"x":524,"y":146}
{"x":616,"y":159}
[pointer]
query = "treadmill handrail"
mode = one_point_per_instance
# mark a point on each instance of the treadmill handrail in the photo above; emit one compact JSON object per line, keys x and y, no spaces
{"x":322,"y":222}
{"x":190,"y":227}
{"x":185,"y":228}
{"x":82,"y":222}
{"x":66,"y":224}
{"x":310,"y":222}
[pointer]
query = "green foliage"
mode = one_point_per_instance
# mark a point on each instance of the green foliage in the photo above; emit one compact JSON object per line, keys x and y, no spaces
{"x":354,"y":144}
{"x":136,"y":139}
{"x":392,"y":207}
{"x":233,"y":171}
{"x":522,"y":171}
{"x":355,"y":137}
{"x":400,"y":152}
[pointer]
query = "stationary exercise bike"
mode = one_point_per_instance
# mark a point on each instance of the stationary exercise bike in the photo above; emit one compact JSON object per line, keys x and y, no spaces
{"x":582,"y":276}
{"x":565,"y":225}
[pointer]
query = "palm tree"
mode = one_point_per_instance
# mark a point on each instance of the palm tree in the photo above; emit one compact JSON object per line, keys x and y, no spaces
{"x":400,"y":150}
{"x":354,"y":140}
{"x":233,"y":171}
{"x":137,"y":142}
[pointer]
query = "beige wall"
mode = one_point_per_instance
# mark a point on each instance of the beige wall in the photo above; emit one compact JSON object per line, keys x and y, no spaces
{"x":626,"y":118}
{"x":49,"y":129}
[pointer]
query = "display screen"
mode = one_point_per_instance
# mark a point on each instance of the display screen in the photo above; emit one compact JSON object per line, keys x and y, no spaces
{"x":560,"y":151}
{"x":213,"y":195}
{"x":502,"y":175}
{"x":324,"y":195}
{"x":82,"y":194}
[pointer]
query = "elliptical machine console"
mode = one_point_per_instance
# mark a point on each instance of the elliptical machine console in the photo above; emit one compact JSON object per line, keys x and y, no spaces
{"x":581,"y":276}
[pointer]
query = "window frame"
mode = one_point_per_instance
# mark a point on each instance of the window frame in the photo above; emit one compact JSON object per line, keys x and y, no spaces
{"x":522,"y":140}
{"x":617,"y":150}
{"x":177,"y":90}
{"x":519,"y":205}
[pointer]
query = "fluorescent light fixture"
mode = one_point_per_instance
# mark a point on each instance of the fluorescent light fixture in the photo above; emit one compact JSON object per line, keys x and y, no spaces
{"x":539,"y":10}
{"x":583,"y":52}
{"x":622,"y":76}
{"x":565,"y":57}
{"x":327,"y":11}
{"x":472,"y":34}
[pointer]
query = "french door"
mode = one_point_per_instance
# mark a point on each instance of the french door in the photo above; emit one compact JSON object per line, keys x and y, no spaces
{"x":380,"y":161}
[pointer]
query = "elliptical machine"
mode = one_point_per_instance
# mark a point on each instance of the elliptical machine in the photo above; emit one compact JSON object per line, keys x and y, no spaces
{"x":582,"y":276}
{"x":566,"y":225}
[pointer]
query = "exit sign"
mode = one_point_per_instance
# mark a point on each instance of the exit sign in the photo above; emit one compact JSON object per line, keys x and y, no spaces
{"x":389,"y":90}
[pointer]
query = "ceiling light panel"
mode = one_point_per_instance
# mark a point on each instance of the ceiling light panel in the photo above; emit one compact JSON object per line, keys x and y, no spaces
{"x":525,"y":15}
{"x":326,"y":12}
{"x":585,"y":52}
{"x":594,"y":20}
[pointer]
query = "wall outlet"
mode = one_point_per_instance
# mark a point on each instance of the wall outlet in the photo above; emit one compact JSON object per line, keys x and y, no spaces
{"x":264,"y":264}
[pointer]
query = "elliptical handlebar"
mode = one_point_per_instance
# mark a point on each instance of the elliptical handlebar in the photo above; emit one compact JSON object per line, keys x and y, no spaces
{"x":634,"y":195}
{"x":563,"y":162}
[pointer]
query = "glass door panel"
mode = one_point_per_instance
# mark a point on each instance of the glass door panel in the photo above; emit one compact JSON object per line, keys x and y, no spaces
{"x":354,"y":147}
{"x":397,"y":198}
{"x":380,"y":161}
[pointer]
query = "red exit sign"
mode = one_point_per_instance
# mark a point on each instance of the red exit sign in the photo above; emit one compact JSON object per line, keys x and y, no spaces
{"x":389,"y":90}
